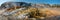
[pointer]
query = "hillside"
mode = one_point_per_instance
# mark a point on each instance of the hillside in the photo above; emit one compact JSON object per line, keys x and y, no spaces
{"x":26,"y":11}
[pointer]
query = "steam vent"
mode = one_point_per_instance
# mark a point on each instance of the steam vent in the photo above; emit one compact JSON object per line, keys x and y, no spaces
{"x":28,"y":11}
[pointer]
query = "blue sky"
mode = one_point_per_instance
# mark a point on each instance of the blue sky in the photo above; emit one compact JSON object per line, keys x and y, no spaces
{"x":33,"y":1}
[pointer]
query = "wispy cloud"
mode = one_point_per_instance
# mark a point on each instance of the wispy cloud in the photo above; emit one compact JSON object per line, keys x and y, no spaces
{"x":2,"y":1}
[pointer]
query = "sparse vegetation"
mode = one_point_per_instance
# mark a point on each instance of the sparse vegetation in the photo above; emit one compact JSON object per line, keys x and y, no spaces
{"x":37,"y":11}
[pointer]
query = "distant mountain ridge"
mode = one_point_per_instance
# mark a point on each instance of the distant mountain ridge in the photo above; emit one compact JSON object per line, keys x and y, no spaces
{"x":15,"y":4}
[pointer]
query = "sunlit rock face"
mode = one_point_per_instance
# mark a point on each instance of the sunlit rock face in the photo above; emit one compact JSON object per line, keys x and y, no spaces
{"x":9,"y":9}
{"x":22,"y":10}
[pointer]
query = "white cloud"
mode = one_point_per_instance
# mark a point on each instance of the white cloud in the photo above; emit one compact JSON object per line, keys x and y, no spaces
{"x":2,"y":1}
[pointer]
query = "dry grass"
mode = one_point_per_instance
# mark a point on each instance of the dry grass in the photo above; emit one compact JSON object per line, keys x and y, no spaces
{"x":39,"y":12}
{"x":48,"y":11}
